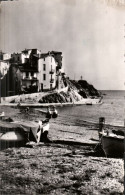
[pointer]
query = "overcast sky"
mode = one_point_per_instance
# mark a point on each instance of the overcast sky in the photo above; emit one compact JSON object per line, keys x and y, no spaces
{"x":90,"y":34}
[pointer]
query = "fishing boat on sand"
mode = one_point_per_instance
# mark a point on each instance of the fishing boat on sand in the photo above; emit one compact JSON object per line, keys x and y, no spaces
{"x":50,"y":113}
{"x":18,"y":133}
{"x":112,"y":144}
{"x":88,"y":103}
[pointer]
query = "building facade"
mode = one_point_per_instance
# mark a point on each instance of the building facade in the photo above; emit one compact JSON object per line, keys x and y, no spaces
{"x":32,"y":71}
{"x":24,"y":56}
{"x":47,"y":72}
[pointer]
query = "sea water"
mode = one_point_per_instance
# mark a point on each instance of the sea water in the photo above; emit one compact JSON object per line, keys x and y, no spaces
{"x":113,"y":109}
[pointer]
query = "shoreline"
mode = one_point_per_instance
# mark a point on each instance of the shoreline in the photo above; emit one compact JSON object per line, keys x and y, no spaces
{"x":54,"y":104}
{"x":13,"y":106}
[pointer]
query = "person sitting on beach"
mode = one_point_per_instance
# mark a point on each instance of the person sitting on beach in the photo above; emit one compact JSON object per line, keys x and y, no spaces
{"x":44,"y":127}
{"x":55,"y":113}
{"x":19,"y":104}
{"x":49,"y":113}
{"x":27,"y":109}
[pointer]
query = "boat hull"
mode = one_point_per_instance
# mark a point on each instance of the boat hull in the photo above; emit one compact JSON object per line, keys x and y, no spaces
{"x":113,"y":146}
{"x":36,"y":134}
{"x":18,"y":133}
{"x":12,"y":139}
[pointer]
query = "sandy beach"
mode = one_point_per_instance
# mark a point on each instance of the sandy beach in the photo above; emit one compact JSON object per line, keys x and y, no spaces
{"x":68,"y":165}
{"x":59,"y":169}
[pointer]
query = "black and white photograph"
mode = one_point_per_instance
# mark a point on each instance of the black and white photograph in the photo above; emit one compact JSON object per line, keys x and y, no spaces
{"x":62,"y":97}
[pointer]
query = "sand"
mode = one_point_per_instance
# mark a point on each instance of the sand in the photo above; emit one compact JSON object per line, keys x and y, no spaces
{"x":68,"y":165}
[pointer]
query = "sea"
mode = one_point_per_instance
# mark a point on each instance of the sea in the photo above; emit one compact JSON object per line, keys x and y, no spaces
{"x":112,"y":108}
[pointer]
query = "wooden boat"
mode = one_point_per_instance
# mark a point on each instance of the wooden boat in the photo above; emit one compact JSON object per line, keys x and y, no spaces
{"x":113,"y":145}
{"x":36,"y":134}
{"x":89,"y":103}
{"x":12,"y":139}
{"x":50,"y":113}
{"x":12,"y":135}
{"x":18,"y":133}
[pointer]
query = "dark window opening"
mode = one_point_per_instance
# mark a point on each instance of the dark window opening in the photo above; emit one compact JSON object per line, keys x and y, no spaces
{"x":44,"y":67}
{"x":27,"y":74}
{"x":26,"y":60}
{"x":32,"y":74}
{"x":44,"y":77}
{"x":51,"y":86}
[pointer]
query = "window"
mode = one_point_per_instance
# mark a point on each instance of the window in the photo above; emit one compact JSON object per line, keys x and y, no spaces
{"x":44,"y":77}
{"x":32,"y":74}
{"x":18,"y":58}
{"x":51,"y":86}
{"x":27,"y":74}
{"x":41,"y":86}
{"x":44,"y":67}
{"x":26,"y":60}
{"x":44,"y":59}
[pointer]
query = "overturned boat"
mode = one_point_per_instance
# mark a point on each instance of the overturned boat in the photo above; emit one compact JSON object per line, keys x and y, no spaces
{"x":112,"y":144}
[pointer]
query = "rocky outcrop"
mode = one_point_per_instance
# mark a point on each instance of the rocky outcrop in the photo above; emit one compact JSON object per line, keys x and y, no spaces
{"x":85,"y":89}
{"x":62,"y":97}
{"x":77,"y":90}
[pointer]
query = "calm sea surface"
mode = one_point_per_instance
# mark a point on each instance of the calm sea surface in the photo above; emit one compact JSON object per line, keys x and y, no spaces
{"x":113,"y":109}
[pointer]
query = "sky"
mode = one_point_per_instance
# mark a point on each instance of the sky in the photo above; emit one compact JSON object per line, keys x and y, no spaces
{"x":90,"y":34}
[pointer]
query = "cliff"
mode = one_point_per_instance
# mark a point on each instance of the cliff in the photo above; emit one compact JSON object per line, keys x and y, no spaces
{"x":85,"y":89}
